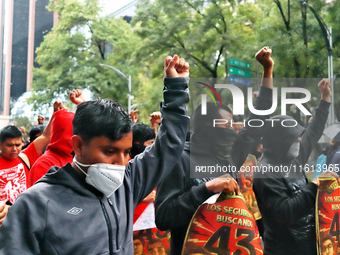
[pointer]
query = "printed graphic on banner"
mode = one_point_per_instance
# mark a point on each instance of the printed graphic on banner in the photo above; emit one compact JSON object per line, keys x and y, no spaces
{"x":147,"y":239}
{"x":245,"y":180}
{"x":223,"y":228}
{"x":151,"y":241}
{"x":12,"y":182}
{"x":327,"y":216}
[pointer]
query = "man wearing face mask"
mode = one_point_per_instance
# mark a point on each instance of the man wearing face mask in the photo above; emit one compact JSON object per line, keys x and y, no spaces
{"x":285,"y":197}
{"x":179,"y":196}
{"x":88,"y":207}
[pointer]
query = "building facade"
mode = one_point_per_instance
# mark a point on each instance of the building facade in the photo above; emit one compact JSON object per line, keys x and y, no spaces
{"x":23,"y":24}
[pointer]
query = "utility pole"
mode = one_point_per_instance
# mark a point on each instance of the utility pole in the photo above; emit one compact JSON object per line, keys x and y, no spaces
{"x":327,"y":34}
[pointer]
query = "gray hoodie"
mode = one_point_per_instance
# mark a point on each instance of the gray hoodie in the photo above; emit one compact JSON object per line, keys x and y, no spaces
{"x":62,"y":214}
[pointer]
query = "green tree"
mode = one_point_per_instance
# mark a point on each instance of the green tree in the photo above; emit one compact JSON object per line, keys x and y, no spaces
{"x":291,"y":29}
{"x":71,"y":52}
{"x":23,"y":121}
{"x":204,"y":32}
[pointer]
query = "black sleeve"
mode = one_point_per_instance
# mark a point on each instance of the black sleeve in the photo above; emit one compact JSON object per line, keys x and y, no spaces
{"x":176,"y":198}
{"x":249,"y":137}
{"x":149,"y":168}
{"x":273,"y":193}
{"x":313,"y":132}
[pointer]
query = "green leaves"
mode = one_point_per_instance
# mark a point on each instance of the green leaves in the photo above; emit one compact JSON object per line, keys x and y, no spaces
{"x":71,"y":52}
{"x":206,"y":33}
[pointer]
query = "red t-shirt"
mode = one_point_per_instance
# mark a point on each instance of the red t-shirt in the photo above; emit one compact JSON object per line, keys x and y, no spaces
{"x":13,"y":175}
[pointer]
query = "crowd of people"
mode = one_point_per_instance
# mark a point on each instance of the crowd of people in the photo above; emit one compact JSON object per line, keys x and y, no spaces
{"x":80,"y":183}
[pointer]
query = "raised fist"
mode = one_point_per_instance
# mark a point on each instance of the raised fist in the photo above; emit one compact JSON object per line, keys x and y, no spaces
{"x":263,"y":56}
{"x":176,"y":67}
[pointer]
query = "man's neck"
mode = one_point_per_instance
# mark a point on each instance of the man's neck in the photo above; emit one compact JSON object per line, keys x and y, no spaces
{"x":77,"y":170}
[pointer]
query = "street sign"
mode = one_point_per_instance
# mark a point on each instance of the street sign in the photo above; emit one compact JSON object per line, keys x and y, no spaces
{"x":238,"y":63}
{"x":240,"y":81}
{"x":239,"y":72}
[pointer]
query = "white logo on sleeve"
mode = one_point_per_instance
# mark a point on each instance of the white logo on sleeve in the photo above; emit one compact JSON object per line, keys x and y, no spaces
{"x":75,"y":211}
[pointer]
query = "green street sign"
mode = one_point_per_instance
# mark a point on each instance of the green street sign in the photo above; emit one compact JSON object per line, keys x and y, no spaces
{"x":239,"y":72}
{"x":238,"y":63}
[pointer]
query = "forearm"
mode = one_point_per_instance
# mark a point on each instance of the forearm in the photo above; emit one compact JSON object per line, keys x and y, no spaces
{"x":291,"y":210}
{"x":273,"y":194}
{"x":314,"y":131}
{"x":42,"y":141}
{"x":250,"y":136}
{"x":48,"y":129}
{"x":155,"y":127}
{"x":158,"y":160}
{"x":174,"y":208}
{"x":267,"y":77}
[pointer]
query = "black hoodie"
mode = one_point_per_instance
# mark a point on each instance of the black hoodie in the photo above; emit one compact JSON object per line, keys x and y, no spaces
{"x":179,"y":196}
{"x":285,"y":197}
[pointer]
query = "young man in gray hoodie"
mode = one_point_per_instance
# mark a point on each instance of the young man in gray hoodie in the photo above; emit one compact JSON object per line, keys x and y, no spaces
{"x":87,"y":207}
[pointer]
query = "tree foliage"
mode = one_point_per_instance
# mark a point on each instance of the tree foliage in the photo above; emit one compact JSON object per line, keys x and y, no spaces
{"x":70,"y":55}
{"x":205,"y":32}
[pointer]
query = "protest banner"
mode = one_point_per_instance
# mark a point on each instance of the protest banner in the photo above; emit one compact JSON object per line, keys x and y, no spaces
{"x":144,"y":227}
{"x":327,"y":216}
{"x":226,"y":226}
{"x":245,"y":180}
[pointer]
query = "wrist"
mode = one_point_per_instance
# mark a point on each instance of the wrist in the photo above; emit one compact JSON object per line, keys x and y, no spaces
{"x":268,"y":72}
{"x":210,"y":187}
{"x":269,"y":67}
{"x":326,"y":98}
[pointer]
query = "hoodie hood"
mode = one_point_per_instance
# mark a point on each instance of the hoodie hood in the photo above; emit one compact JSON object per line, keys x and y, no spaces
{"x":69,"y":178}
{"x":61,"y":135}
{"x":278,"y":138}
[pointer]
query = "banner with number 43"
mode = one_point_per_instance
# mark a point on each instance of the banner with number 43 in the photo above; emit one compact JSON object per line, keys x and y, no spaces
{"x":226,"y":227}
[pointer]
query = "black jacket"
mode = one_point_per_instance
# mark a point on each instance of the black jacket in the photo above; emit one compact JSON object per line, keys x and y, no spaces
{"x":62,"y":214}
{"x":179,"y":196}
{"x":285,"y":197}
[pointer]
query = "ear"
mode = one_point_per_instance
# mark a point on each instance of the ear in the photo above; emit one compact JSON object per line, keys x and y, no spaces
{"x":77,"y":143}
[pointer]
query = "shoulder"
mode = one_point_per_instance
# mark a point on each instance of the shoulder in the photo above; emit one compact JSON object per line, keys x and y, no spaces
{"x":31,"y":153}
{"x":30,"y":148}
{"x":4,"y":163}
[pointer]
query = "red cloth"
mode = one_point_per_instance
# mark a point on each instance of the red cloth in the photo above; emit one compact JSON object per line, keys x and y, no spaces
{"x":14,"y":175}
{"x":58,"y":152}
{"x":139,"y":210}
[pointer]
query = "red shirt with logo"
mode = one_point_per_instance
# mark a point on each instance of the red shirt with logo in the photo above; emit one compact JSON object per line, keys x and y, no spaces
{"x":14,"y":175}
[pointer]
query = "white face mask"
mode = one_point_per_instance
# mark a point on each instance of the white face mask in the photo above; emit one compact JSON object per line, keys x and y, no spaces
{"x":294,"y":150}
{"x":106,"y":178}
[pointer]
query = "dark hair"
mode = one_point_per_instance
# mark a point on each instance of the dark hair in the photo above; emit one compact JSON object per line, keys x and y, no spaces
{"x":34,"y":131}
{"x":135,"y":237}
{"x":212,"y":113}
{"x":101,"y":118}
{"x":192,"y":248}
{"x":10,"y":132}
{"x":155,"y":240}
{"x":142,"y":133}
{"x":324,"y":237}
